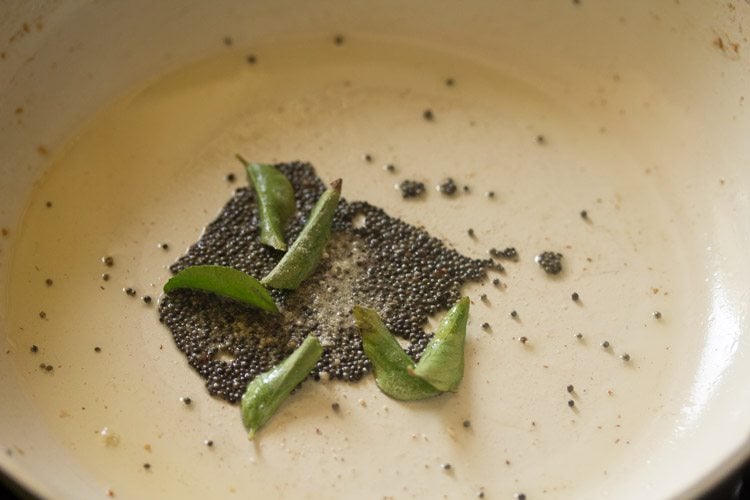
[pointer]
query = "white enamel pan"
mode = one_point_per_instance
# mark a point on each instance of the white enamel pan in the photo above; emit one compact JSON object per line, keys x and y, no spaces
{"x":119,"y":122}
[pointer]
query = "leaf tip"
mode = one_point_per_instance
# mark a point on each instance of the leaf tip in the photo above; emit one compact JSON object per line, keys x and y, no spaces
{"x":242,"y":159}
{"x":336,"y":185}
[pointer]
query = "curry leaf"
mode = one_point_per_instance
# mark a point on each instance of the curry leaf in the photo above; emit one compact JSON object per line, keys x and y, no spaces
{"x":266,"y":392}
{"x":442,"y":362}
{"x":389,"y":361}
{"x":304,"y":254}
{"x":226,"y":282}
{"x":275,"y":197}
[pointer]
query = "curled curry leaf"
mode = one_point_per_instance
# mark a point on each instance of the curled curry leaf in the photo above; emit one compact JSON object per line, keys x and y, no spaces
{"x":389,"y":361}
{"x":304,"y":254}
{"x":275,"y":196}
{"x":268,"y":390}
{"x":226,"y":282}
{"x":442,"y":362}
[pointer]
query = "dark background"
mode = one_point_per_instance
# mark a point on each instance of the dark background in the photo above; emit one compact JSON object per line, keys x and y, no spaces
{"x":736,"y":487}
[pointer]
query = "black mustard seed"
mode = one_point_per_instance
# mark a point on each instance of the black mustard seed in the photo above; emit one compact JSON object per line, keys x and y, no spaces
{"x":448,"y":187}
{"x":411,"y":189}
{"x":551,"y":262}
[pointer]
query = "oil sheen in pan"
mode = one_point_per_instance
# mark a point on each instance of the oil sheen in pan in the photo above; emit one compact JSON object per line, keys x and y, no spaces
{"x":152,"y":168}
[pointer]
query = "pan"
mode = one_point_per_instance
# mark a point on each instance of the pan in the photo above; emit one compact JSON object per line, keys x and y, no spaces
{"x":612,"y":133}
